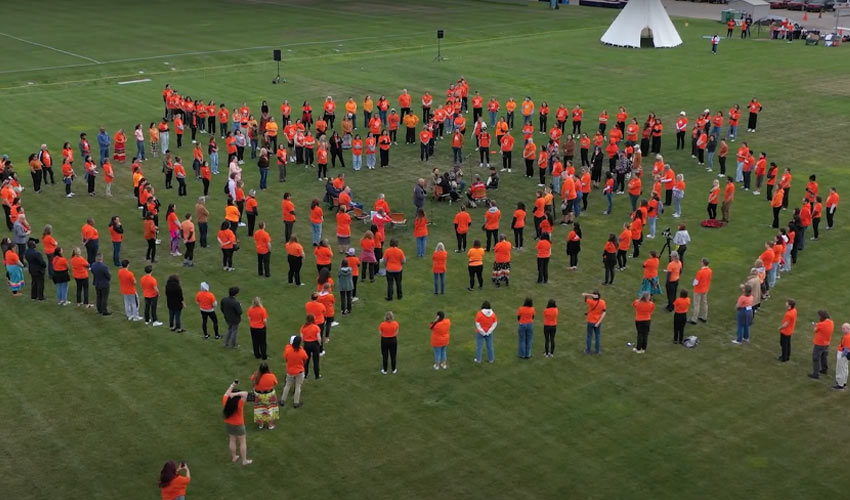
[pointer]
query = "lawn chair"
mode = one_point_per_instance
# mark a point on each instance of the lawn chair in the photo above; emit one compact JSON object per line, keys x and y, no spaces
{"x":398,"y":219}
{"x":479,"y":196}
{"x":439,"y":194}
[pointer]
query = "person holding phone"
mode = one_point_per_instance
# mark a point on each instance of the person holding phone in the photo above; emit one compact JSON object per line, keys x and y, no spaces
{"x":233,"y":403}
{"x":172,"y":483}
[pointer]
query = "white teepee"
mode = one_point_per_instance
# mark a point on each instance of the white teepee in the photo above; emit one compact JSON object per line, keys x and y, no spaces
{"x":639,"y":15}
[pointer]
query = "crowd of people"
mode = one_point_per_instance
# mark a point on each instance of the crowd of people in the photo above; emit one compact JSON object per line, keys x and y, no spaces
{"x":569,"y":166}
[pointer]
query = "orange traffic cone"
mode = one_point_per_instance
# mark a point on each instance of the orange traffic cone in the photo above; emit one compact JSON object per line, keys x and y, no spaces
{"x":805,"y":16}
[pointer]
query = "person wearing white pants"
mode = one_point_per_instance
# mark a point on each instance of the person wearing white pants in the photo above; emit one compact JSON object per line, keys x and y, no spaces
{"x":841,"y":359}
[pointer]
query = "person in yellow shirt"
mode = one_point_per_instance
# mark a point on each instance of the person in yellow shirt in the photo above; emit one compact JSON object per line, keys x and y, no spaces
{"x":368,"y":106}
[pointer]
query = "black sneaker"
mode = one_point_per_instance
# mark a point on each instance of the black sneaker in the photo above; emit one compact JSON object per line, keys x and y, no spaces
{"x":217,"y":337}
{"x":814,"y":376}
{"x":838,"y":387}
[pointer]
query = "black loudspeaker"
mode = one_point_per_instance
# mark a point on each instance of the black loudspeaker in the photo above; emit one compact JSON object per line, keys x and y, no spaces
{"x":277,"y":55}
{"x":440,"y":34}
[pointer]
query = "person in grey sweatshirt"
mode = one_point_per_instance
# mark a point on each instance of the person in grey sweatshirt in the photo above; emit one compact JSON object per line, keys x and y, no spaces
{"x":345,"y":284}
{"x":20,"y":235}
{"x":231,"y":309}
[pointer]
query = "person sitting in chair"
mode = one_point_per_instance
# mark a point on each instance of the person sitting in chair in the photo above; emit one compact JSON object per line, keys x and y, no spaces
{"x":477,"y":192}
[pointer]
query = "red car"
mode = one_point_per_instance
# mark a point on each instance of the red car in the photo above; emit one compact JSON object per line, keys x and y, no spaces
{"x":778,"y":4}
{"x":796,"y":5}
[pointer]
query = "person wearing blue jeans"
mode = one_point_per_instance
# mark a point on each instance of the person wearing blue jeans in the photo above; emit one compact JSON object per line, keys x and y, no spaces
{"x":525,"y":332}
{"x":440,"y":337}
{"x":595,"y":316}
{"x":493,"y":118}
{"x":485,"y":325}
{"x":421,"y":241}
{"x":744,"y":315}
{"x":317,"y":233}
{"x":103,"y":142}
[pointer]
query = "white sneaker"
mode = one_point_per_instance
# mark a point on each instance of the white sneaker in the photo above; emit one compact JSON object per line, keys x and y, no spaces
{"x":436,"y":366}
{"x":355,"y":299}
{"x":138,"y":318}
{"x":756,"y":193}
{"x":335,"y":323}
{"x":157,"y":323}
{"x":242,"y":224}
{"x":69,"y":195}
{"x":383,"y":372}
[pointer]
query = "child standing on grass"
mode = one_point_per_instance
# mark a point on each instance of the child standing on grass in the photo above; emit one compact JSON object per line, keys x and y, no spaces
{"x":153,"y":135}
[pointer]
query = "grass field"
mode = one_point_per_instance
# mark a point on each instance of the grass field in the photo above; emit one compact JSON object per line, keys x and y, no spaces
{"x":95,"y":405}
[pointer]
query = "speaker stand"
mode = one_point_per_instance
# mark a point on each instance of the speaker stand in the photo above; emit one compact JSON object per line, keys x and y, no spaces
{"x":439,"y":57}
{"x":278,"y":78}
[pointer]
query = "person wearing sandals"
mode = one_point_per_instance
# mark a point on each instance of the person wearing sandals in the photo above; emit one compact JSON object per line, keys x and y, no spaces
{"x":233,"y":403}
{"x":266,"y":409}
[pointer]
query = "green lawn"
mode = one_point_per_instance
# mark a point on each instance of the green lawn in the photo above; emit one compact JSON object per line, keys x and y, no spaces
{"x":96,"y":405}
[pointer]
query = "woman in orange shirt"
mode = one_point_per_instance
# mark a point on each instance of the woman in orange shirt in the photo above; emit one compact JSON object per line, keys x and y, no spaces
{"x":311,"y":335}
{"x":316,"y":219}
{"x":680,"y":316}
{"x":233,"y":404}
{"x":295,"y":258}
{"x":389,"y":341}
{"x":525,"y":332}
{"x":475,"y":266}
{"x":744,"y":315}
{"x":258,"y":318}
{"x":438,"y":267}
{"x":323,"y":254}
{"x":14,"y":267}
{"x":227,"y":242}
{"x":80,"y":272}
{"x":643,"y":316}
{"x":266,"y":409}
{"x":172,"y":484}
{"x":609,"y":258}
{"x":650,"y":275}
{"x":61,"y":276}
{"x":574,"y":246}
{"x":518,"y":224}
{"x":544,"y":251}
{"x":420,"y":232}
{"x":713,"y":196}
{"x":550,"y":326}
{"x":440,"y":336}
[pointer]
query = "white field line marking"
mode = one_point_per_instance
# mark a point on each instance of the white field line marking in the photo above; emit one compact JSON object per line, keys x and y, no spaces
{"x":95,"y":61}
{"x":134,"y":81}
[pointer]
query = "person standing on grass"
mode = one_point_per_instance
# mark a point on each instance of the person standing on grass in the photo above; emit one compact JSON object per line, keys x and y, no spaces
{"x":544,"y":253}
{"x":346,"y":285}
{"x":831,"y":206}
{"x":821,"y":340}
{"x":525,"y":331}
{"x":713,"y":196}
{"x":776,"y":205}
{"x":227,"y":242}
{"x":15,"y":268}
{"x":596,"y":311}
{"x":701,"y":284}
{"x":231,"y":309}
{"x":786,"y":330}
{"x":841,"y":359}
{"x":744,"y":307}
{"x":817,"y":211}
{"x":440,"y":337}
{"x":574,"y":246}
{"x":394,"y":261}
{"x":295,"y":258}
{"x":715,"y":41}
{"x":728,"y":198}
{"x":389,"y":341}
{"x":100,"y":280}
{"x":172,"y":484}
{"x":258,"y":318}
{"x":263,"y":243}
{"x":60,"y":276}
{"x":187,"y":234}
{"x":295,"y":358}
{"x":643,"y":317}
{"x":420,"y":232}
{"x":462,"y":221}
{"x":673,"y":270}
{"x":550,"y":325}
{"x":207,"y":303}
{"x":150,"y":292}
{"x":174,"y":302}
{"x":80,"y":272}
{"x":266,"y":409}
{"x":485,"y":324}
{"x":37,"y":268}
{"x":680,"y":316}
{"x":311,"y":334}
{"x":754,"y":107}
{"x":233,"y":403}
{"x":127,"y":281}
{"x":475,"y":266}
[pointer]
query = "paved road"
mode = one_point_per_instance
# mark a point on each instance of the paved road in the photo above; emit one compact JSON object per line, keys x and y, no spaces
{"x":697,"y":10}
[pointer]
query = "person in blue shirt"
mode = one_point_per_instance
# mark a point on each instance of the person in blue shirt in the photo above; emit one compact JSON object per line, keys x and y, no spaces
{"x":103,"y":142}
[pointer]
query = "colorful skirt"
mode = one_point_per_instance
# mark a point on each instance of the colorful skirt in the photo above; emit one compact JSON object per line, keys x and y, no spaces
{"x":15,"y":275}
{"x":651,"y":286}
{"x":501,"y":271}
{"x":120,"y":151}
{"x":368,"y":256}
{"x":266,"y":410}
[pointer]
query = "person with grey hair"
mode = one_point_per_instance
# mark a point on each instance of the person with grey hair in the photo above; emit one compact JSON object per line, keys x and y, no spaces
{"x":21,"y":234}
{"x":232,"y":311}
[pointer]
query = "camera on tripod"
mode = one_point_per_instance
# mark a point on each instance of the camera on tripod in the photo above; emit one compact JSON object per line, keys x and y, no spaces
{"x":666,"y":233}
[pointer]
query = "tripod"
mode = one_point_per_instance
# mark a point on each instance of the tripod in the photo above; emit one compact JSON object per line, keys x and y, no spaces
{"x":439,"y":56}
{"x":667,"y":246}
{"x":278,"y":78}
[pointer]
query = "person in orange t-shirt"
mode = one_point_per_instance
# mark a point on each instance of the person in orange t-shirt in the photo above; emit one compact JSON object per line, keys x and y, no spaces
{"x":786,"y":329}
{"x":643,"y":317}
{"x":258,"y":318}
{"x":462,"y":222}
{"x":150,"y":292}
{"x":440,"y":338}
{"x":420,"y":232}
{"x":673,"y":271}
{"x":80,"y":273}
{"x":393,"y":259}
{"x":485,"y":324}
{"x":821,"y":340}
{"x":525,"y":331}
{"x":475,"y":266}
{"x":502,"y":262}
{"x":233,"y":403}
{"x":172,"y":484}
{"x":702,"y":284}
{"x":650,"y":275}
{"x":438,"y":267}
{"x":680,"y":316}
{"x":388,"y":330}
{"x":263,"y":243}
{"x":544,"y":252}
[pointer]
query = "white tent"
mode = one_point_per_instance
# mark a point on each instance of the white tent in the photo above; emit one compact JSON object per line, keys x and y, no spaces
{"x":756,"y":8}
{"x":640,"y":15}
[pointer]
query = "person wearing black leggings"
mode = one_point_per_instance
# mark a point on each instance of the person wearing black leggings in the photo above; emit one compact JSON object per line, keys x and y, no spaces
{"x":389,"y":342}
{"x":476,"y":265}
{"x":311,"y":333}
{"x":680,"y":316}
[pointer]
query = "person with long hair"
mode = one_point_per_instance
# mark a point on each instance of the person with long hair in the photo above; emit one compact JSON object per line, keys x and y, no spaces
{"x":311,"y":336}
{"x":389,"y":342}
{"x":368,"y":258}
{"x":744,"y":316}
{"x":174,"y":302}
{"x":574,"y":246}
{"x":61,"y":277}
{"x":14,"y":267}
{"x":295,"y":258}
{"x":438,"y":267}
{"x":609,"y":258}
{"x":485,"y":324}
{"x":227,"y":242}
{"x":550,"y":326}
{"x":172,"y":484}
{"x":544,"y":252}
{"x":475,"y":258}
{"x":525,"y":332}
{"x":258,"y":319}
{"x":80,"y":272}
{"x":266,"y":409}
{"x":233,"y":403}
{"x":440,"y":337}
{"x":295,"y":357}
{"x":644,"y":306}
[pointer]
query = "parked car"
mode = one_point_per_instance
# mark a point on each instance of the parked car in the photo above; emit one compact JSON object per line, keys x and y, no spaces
{"x":820,"y":5}
{"x":778,"y":4}
{"x":796,"y":5}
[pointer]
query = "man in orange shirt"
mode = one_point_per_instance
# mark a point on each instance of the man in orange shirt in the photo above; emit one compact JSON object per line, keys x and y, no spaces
{"x":728,"y":198}
{"x":491,"y":224}
{"x":150,"y":292}
{"x":263,"y":242}
{"x":462,"y":222}
{"x":127,"y":282}
{"x":507,"y":146}
{"x":821,"y":340}
{"x":90,"y":240}
{"x":596,"y":311}
{"x":393,"y":260}
{"x":702,"y":284}
{"x":786,"y":329}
